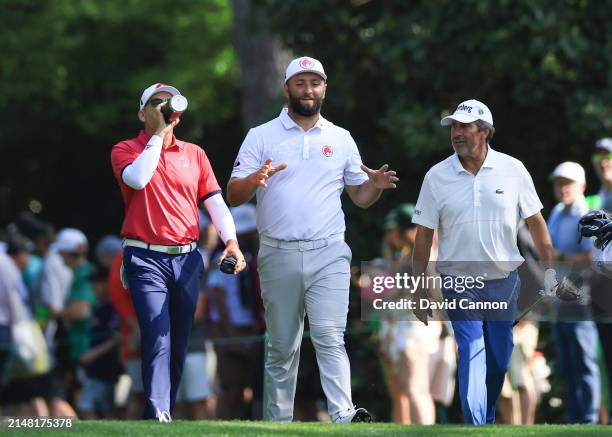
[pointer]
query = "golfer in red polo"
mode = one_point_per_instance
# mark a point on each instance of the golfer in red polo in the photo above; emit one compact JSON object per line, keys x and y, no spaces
{"x":162,"y":181}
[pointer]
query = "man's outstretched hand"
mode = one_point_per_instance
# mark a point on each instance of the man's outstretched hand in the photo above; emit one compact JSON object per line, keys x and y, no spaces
{"x":382,"y":178}
{"x":261,"y":176}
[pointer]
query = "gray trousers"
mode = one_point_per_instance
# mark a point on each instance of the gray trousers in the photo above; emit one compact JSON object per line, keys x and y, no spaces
{"x":298,"y":279}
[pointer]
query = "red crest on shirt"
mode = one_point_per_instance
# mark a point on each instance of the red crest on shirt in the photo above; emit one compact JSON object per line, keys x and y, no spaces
{"x":327,"y":151}
{"x":306,"y":63}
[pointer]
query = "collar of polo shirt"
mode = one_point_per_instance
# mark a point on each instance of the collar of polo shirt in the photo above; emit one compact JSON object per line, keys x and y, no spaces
{"x":489,"y":162}
{"x":288,"y":122}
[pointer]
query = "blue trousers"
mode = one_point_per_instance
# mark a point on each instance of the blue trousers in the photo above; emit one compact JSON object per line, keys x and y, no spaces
{"x":484,"y":341}
{"x":576,"y":344}
{"x":164,"y":290}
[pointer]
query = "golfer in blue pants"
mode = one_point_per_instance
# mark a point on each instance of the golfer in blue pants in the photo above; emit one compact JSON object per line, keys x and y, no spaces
{"x":165,"y":290}
{"x":475,"y":200}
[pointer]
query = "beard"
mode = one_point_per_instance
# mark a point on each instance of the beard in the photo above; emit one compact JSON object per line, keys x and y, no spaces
{"x":296,"y":106}
{"x":463,"y":148}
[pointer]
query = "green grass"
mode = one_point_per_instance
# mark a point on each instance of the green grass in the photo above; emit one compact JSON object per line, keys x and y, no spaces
{"x":302,"y":429}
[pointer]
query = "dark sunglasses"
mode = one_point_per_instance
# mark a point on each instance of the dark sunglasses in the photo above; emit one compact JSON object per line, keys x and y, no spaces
{"x":156,"y":102}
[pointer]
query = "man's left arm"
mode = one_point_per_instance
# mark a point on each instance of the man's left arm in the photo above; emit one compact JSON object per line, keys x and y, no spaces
{"x":368,"y":192}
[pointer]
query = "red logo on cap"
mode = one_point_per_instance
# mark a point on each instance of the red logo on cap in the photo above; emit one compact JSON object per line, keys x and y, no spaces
{"x":327,"y":151}
{"x":306,"y":63}
{"x":159,"y":85}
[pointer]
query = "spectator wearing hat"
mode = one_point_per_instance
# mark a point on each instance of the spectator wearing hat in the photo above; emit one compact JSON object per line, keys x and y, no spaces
{"x":577,"y":340}
{"x":66,"y":255}
{"x":72,"y":245}
{"x":162,"y":181}
{"x":234,"y":313}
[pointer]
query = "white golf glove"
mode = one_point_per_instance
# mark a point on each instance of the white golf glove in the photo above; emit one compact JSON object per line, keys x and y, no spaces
{"x":550,"y":283}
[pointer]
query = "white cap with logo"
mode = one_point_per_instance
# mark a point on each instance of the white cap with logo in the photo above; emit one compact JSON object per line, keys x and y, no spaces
{"x":468,"y":112}
{"x":154,"y":89}
{"x":304,"y":64}
{"x":569,"y":170}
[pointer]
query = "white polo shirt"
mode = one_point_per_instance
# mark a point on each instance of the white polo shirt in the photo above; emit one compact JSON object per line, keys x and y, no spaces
{"x":477,"y":216}
{"x":302,"y":202}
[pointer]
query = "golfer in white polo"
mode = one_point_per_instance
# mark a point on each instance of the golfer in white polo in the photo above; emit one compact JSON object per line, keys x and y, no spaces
{"x":298,"y":164}
{"x":475,"y":199}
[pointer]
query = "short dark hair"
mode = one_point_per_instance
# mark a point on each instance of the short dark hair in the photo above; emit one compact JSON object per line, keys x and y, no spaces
{"x":481,"y":124}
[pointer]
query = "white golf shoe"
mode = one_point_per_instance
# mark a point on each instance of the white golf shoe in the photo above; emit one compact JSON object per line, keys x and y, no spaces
{"x":353,"y":416}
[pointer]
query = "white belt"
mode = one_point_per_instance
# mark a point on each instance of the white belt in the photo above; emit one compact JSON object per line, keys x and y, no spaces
{"x":171,"y":250}
{"x":301,"y":245}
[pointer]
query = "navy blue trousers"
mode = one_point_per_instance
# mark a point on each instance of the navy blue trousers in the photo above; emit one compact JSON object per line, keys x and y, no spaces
{"x":164,"y":290}
{"x":484,"y":342}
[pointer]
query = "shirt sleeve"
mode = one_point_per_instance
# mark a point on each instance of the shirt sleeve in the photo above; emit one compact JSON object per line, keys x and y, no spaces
{"x":249,"y":156}
{"x":122,"y":155}
{"x":529,"y":202}
{"x":353,"y":174}
{"x":426,"y":212}
{"x":208,"y":185}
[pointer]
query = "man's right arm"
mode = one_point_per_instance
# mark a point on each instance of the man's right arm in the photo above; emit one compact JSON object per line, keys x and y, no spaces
{"x":241,"y":190}
{"x":420,"y":259}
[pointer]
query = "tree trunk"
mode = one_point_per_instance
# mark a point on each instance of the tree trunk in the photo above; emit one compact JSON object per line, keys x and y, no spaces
{"x":261,"y":66}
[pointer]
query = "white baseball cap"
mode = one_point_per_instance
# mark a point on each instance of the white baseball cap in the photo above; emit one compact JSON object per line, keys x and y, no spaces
{"x":604,"y":144}
{"x":468,"y":112}
{"x":154,"y":89}
{"x":304,"y":65}
{"x":569,"y":170}
{"x":69,"y":240}
{"x":244,"y":218}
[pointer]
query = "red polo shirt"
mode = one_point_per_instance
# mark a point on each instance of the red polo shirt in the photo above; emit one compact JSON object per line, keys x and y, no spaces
{"x":166,"y":210}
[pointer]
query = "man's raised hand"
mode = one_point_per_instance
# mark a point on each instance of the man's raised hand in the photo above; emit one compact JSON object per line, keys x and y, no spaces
{"x":260,"y":177}
{"x":382,"y":178}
